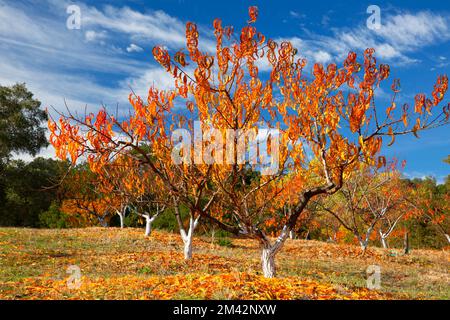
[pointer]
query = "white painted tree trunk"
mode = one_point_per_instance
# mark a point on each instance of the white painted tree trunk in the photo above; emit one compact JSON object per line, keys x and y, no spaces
{"x":383,"y":238}
{"x":384,"y":242}
{"x":448,"y":237}
{"x":187,"y":237}
{"x":269,"y":252}
{"x":268,"y":262}
{"x":121,"y":220}
{"x":363,"y":243}
{"x":149,"y":219}
{"x":121,"y":217}
{"x":148,"y":226}
{"x":188,"y":249}
{"x":292,"y":234}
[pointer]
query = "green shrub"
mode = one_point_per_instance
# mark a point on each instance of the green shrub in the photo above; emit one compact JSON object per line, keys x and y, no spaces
{"x":224,"y":242}
{"x":54,"y":218}
{"x":168,"y":222}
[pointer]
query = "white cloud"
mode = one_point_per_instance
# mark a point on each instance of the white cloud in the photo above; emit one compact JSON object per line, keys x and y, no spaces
{"x":94,"y":36}
{"x":410,"y":31}
{"x":322,"y":56}
{"x":399,"y":36}
{"x":152,"y":26}
{"x":134,"y":48}
{"x":140,"y":84}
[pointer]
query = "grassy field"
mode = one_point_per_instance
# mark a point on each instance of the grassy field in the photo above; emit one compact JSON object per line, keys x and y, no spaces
{"x":123,"y":264}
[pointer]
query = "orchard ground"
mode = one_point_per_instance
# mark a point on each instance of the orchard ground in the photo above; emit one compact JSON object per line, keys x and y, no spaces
{"x":123,"y":264}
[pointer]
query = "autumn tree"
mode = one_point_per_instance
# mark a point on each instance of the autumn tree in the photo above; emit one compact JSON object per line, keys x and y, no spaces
{"x":134,"y":189}
{"x":149,"y":209}
{"x":312,"y":130}
{"x":370,"y":202}
{"x":81,"y":199}
{"x":432,"y":206}
{"x":121,"y":181}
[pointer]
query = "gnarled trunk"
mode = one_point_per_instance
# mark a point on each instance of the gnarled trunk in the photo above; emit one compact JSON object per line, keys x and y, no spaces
{"x":269,"y":252}
{"x":103,"y":221}
{"x":268,"y":262}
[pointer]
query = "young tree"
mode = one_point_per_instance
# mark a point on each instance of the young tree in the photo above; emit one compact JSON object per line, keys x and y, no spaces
{"x":82,"y":199}
{"x":133,"y":188}
{"x":370,"y":201}
{"x":327,"y":125}
{"x":149,"y":210}
{"x":432,"y":206}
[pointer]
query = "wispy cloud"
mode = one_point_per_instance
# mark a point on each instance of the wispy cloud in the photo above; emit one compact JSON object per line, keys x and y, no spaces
{"x":134,"y":48}
{"x":94,"y":36}
{"x":60,"y":64}
{"x":399,"y":36}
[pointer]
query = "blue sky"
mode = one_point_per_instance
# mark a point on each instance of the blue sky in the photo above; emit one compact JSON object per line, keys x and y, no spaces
{"x":111,"y":51}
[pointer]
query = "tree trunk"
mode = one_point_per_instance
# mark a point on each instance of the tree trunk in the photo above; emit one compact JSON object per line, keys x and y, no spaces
{"x":292,"y":234}
{"x":384,"y":242}
{"x":268,"y":262}
{"x":270,"y":250}
{"x":102,"y":221}
{"x":148,"y":226}
{"x":121,"y":220}
{"x":363,"y":244}
{"x":406,"y":243}
{"x":383,"y":238}
{"x":448,"y":237}
{"x":187,"y":237}
{"x":188,"y":249}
